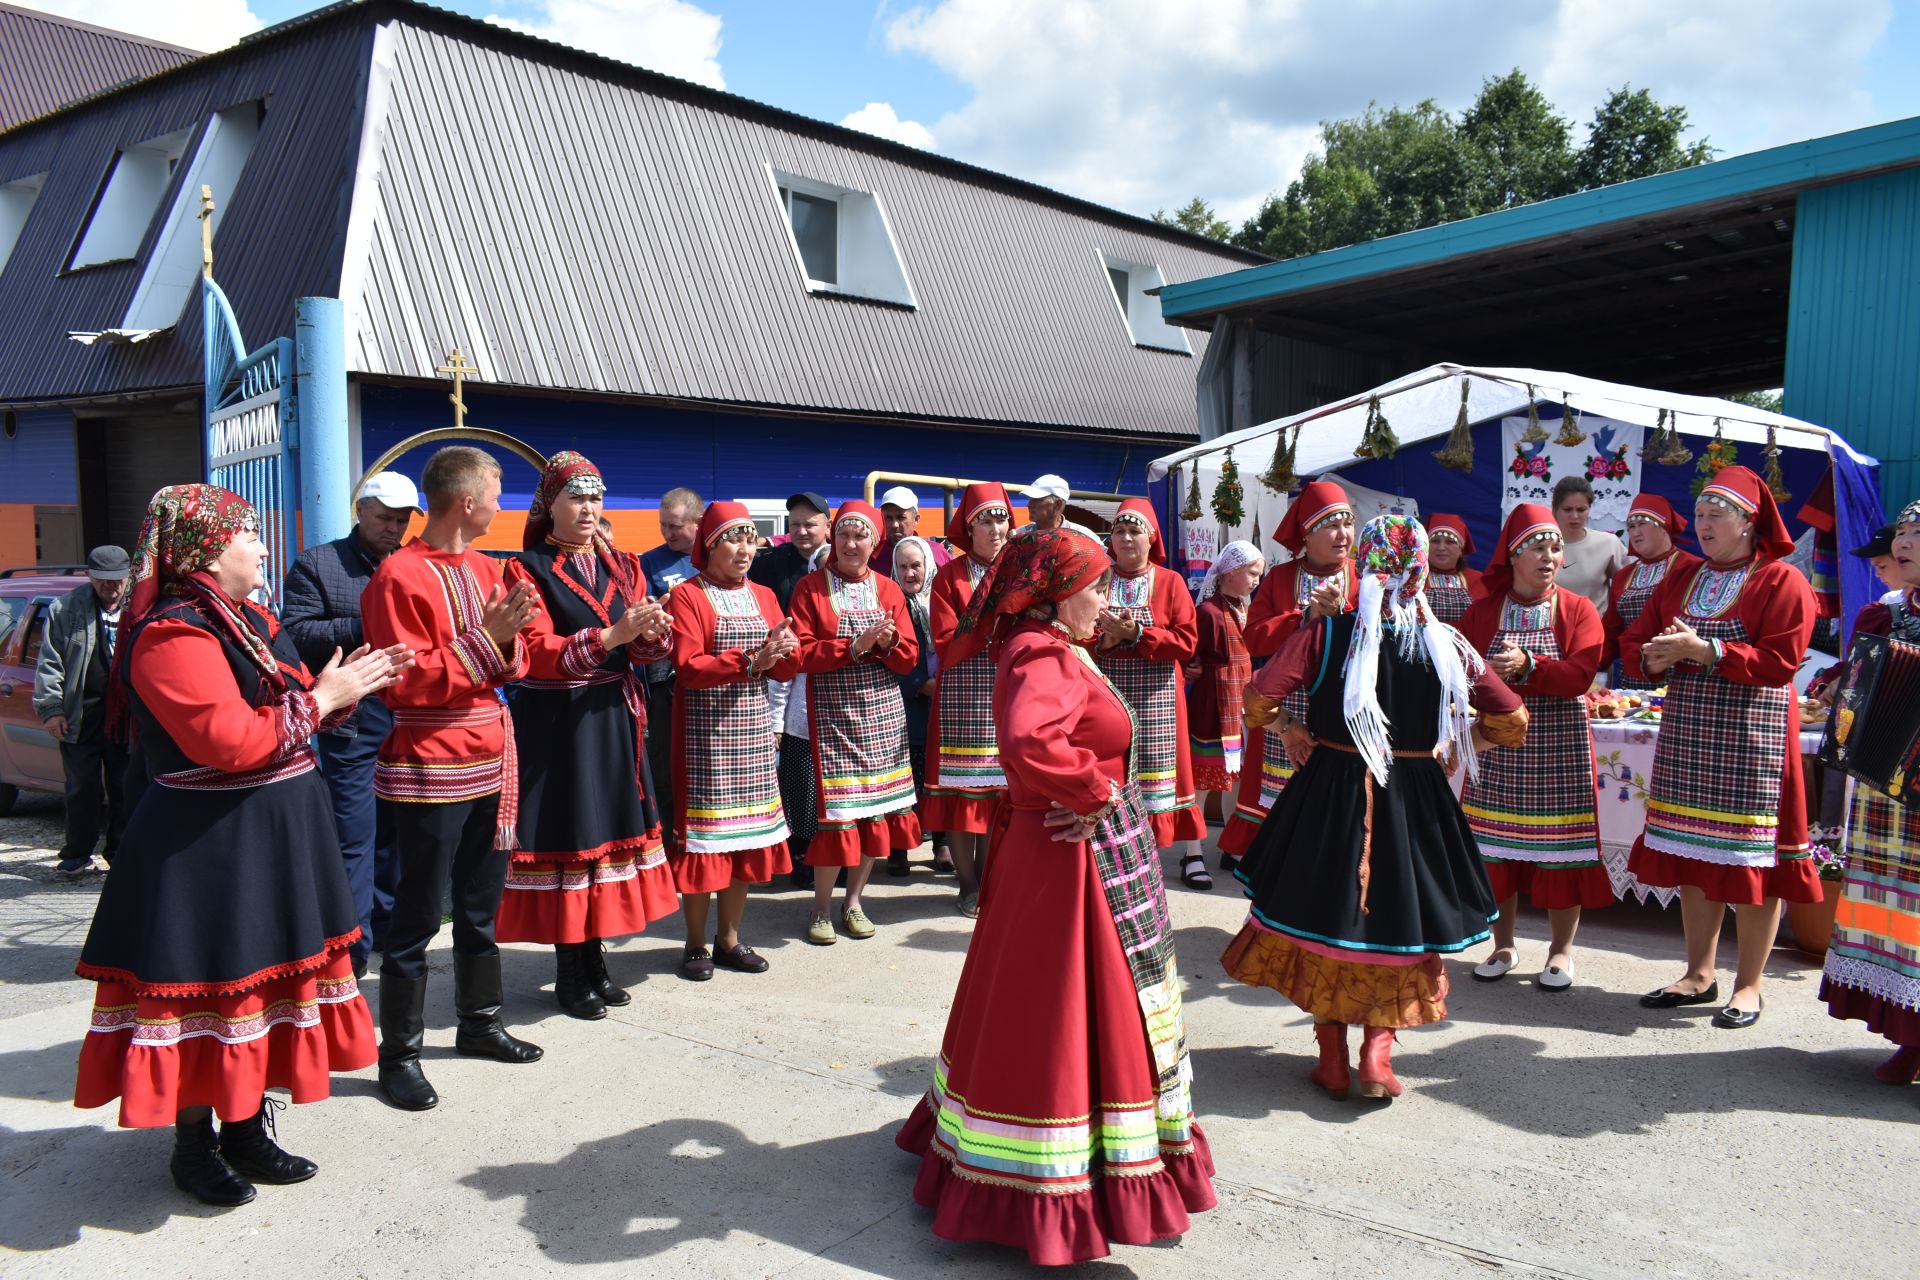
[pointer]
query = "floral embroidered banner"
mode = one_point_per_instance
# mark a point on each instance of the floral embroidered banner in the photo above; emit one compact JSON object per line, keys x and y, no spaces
{"x":1608,"y":456}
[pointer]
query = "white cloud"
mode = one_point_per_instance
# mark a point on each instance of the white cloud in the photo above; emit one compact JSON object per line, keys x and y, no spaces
{"x":880,"y":120}
{"x":669,"y":36}
{"x":1142,"y":104}
{"x":205,"y":25}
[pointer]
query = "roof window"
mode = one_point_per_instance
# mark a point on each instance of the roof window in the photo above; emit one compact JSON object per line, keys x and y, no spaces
{"x":136,"y":181}
{"x":175,"y":261}
{"x":841,"y":240}
{"x":16,"y":202}
{"x":1139,"y":308}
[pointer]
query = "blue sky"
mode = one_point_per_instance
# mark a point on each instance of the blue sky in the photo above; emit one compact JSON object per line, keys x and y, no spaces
{"x":1141,"y":104}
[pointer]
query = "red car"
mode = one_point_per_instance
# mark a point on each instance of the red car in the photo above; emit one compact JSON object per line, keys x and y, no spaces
{"x":29,"y":756}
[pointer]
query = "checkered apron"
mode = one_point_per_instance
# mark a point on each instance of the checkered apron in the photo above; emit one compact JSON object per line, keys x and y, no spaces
{"x":1153,"y":690}
{"x":1714,"y":795}
{"x":1449,"y":595}
{"x":969,"y":750}
{"x":1275,"y":768}
{"x":859,"y":721}
{"x":1536,"y":803}
{"x":1633,"y":599}
{"x":731,"y":756}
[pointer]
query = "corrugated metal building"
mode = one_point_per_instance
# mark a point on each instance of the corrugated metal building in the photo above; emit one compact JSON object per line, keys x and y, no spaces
{"x":47,"y":62}
{"x":690,"y":287}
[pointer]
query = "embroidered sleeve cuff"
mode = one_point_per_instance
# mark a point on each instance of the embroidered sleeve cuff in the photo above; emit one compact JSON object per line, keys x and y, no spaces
{"x":339,"y":717}
{"x":478,"y":654}
{"x":1719,"y":652}
{"x":650,"y":651}
{"x":1105,"y":811}
{"x":1526,"y":672}
{"x":299,"y":717}
{"x":583,"y":653}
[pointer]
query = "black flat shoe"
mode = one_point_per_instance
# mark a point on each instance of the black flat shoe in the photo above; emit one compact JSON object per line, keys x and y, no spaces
{"x":1733,"y":1019}
{"x":740,"y":957}
{"x":697,"y":965}
{"x":1664,"y":999}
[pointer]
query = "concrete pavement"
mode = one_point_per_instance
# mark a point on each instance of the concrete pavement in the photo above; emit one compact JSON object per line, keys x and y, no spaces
{"x":744,"y":1127}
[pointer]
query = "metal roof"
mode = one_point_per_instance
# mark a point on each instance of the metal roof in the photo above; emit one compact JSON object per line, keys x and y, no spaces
{"x":47,"y":62}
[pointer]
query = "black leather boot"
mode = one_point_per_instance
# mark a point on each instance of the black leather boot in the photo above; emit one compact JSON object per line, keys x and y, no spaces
{"x":403,"y":1025}
{"x":198,"y":1169}
{"x":571,"y":985}
{"x":596,"y":957}
{"x":249,"y":1146}
{"x":477,"y":998}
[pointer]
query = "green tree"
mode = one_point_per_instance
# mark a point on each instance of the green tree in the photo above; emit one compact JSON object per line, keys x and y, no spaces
{"x":1632,"y":136}
{"x":1198,"y":217}
{"x":1768,"y":400}
{"x":1523,"y":144}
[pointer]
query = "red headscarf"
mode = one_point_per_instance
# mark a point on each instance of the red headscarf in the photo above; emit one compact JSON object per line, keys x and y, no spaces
{"x":1652,"y":504}
{"x":1452,"y":524}
{"x":973,"y":500}
{"x":565,"y":472}
{"x":1526,"y":521}
{"x":1748,"y":492}
{"x":865,"y":513}
{"x":718,"y":518}
{"x":1141,"y":510}
{"x":1320,"y":499}
{"x":1040,"y":568}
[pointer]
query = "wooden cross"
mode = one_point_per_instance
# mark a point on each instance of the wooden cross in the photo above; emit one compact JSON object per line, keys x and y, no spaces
{"x":457,"y":366}
{"x":206,"y":230}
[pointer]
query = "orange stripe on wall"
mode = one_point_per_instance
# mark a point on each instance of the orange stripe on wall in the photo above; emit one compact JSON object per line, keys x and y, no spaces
{"x":18,"y":545}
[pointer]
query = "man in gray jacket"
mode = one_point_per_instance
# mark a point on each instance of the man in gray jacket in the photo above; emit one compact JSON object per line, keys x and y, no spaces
{"x":70,"y":697}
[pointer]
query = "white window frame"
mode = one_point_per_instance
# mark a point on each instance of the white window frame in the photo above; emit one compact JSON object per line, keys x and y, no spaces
{"x":866,"y":252}
{"x":1140,"y":316}
{"x":225,"y":145}
{"x":17,"y":199}
{"x":137,"y":180}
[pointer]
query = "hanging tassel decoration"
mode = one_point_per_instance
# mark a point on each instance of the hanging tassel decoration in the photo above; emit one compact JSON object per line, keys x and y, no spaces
{"x":1192,"y":511}
{"x":1279,"y":475}
{"x":1377,"y":440}
{"x":1534,"y":433}
{"x":1776,"y":481}
{"x":1720,"y":452}
{"x":1457,"y":455}
{"x":1672,"y":452}
{"x":1656,"y":439}
{"x":1229,"y":498}
{"x":1570,"y":432}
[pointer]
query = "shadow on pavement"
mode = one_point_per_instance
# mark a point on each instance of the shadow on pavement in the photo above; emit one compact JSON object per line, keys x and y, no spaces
{"x":108,"y":1180}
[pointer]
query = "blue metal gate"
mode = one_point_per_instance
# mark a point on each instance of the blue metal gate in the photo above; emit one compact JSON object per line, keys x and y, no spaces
{"x":253,"y":436}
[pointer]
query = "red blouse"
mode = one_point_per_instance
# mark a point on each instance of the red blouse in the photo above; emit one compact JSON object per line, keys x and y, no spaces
{"x":1175,"y":633}
{"x":1577,"y":628}
{"x":695,"y":664}
{"x":1678,"y":561}
{"x":1064,"y":734}
{"x":817,"y":625}
{"x":1276,"y":614}
{"x":553,"y":655}
{"x":952,"y":591}
{"x":1776,"y":607}
{"x":183,"y":678}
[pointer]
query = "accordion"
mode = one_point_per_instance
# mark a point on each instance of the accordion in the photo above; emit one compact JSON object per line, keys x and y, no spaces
{"x":1873,"y":731}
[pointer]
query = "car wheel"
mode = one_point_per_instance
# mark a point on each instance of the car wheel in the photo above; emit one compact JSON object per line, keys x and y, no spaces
{"x":8,"y":794}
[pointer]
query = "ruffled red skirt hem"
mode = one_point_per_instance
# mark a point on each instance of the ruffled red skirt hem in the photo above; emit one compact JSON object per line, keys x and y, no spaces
{"x":1171,"y":828}
{"x":1237,"y":837}
{"x":712,"y":872}
{"x":1790,"y":879}
{"x":845,"y":846}
{"x":1551,"y":888}
{"x":579,"y":901}
{"x":1058,"y":1230}
{"x":161,"y":1054}
{"x":1896,"y":1022}
{"x":959,"y":811}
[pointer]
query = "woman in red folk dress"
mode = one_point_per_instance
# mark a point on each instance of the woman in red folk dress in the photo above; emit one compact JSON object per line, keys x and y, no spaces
{"x":1060,"y":1119}
{"x":588,"y":863}
{"x":1726,"y":805}
{"x":1532,"y":810}
{"x":220,"y":943}
{"x":1148,"y":634}
{"x":1651,"y":524}
{"x":856,"y":640}
{"x":963,"y":757}
{"x":1317,"y":583}
{"x":1219,"y":674}
{"x":729,"y":832}
{"x":1451,"y":586}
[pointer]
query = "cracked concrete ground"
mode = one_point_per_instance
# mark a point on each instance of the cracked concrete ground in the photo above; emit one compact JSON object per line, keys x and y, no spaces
{"x":744,"y":1127}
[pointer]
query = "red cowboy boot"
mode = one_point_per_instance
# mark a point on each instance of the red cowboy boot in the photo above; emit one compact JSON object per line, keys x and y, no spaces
{"x":1902,"y":1068}
{"x":1333,"y":1074}
{"x":1376,"y":1065}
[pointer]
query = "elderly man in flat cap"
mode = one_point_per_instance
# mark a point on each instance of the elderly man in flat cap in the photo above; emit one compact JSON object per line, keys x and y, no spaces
{"x":70,"y":697}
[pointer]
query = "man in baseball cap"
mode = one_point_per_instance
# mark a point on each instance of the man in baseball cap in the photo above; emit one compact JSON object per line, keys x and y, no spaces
{"x":779,"y":569}
{"x":1047,"y":506}
{"x":900,"y":511}
{"x":321,"y":614}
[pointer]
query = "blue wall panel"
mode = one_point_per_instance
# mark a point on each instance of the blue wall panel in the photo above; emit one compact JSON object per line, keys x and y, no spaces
{"x":38,"y":464}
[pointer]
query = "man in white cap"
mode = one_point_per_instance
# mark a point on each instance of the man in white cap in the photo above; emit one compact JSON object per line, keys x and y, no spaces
{"x":900,"y":511}
{"x":322,"y":613}
{"x":1047,"y":506}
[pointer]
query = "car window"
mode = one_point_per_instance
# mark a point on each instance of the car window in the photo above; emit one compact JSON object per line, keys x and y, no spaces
{"x":10,"y":609}
{"x":36,"y":633}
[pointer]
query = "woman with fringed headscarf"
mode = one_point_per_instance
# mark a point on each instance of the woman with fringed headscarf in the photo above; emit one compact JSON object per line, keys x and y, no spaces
{"x":1366,"y":873}
{"x":589,"y":864}
{"x":220,"y":942}
{"x":1219,"y":675}
{"x":1060,"y":1119}
{"x":1726,"y":802}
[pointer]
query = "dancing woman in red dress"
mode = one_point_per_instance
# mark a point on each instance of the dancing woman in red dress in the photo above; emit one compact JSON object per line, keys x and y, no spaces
{"x":220,"y":943}
{"x":1060,"y":1119}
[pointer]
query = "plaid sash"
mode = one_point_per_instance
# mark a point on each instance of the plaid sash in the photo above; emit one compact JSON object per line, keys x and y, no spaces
{"x":1152,"y":690}
{"x":1536,"y":804}
{"x":1714,"y":795}
{"x":1633,"y":601}
{"x":730,"y":757}
{"x":1449,"y":595}
{"x":859,"y":721}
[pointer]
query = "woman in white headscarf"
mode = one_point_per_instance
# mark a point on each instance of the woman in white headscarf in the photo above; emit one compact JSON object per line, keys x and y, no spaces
{"x":1218,"y":678}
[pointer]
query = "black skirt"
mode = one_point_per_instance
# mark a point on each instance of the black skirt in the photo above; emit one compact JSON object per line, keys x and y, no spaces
{"x":577,"y":776}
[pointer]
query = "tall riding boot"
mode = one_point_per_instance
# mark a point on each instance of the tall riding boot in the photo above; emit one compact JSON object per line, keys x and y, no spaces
{"x":595,"y":953}
{"x":477,"y":998}
{"x":572,"y":986}
{"x":1333,"y":1074}
{"x":250,"y":1146}
{"x":1376,"y":1065}
{"x":199,"y":1171}
{"x":403,"y":1026}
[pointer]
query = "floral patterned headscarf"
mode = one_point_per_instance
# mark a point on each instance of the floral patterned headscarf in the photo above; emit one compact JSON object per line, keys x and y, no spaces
{"x":1909,"y":514}
{"x":570,"y":472}
{"x":1047,"y":566}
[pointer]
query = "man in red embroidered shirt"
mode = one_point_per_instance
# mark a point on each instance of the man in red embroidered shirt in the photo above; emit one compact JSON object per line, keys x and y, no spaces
{"x":447,"y":771}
